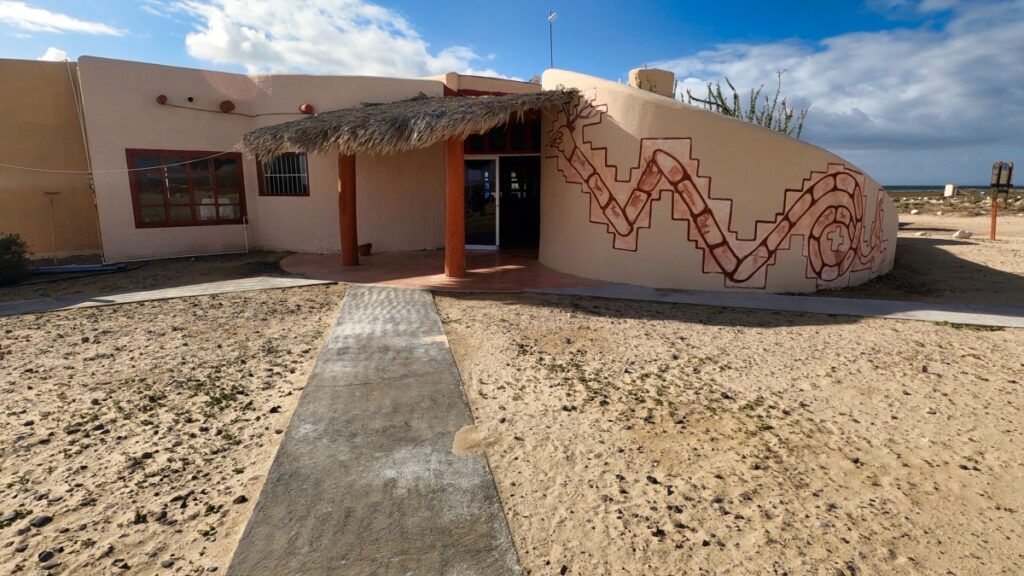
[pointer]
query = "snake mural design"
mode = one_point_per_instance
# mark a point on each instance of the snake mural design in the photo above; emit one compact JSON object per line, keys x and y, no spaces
{"x":827,"y":210}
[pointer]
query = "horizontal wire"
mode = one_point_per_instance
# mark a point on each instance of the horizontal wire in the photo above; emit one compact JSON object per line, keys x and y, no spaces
{"x":109,"y":171}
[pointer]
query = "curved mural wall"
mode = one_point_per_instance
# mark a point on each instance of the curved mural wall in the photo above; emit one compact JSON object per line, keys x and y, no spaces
{"x":642,"y":189}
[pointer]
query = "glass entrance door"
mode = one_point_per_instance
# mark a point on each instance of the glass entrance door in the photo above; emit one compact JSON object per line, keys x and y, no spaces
{"x":481,"y":203}
{"x":519,"y":201}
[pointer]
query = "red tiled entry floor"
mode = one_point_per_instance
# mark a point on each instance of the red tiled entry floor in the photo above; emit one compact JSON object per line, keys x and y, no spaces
{"x":486,"y":271}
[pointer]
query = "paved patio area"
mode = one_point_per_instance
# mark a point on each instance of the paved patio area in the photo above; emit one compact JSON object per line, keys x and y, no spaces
{"x":365,"y":480}
{"x":486,"y":271}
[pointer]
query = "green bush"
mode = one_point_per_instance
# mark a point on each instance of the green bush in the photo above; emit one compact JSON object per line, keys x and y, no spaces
{"x":13,"y":259}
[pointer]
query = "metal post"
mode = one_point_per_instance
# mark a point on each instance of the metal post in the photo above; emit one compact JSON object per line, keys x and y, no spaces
{"x":551,"y":35}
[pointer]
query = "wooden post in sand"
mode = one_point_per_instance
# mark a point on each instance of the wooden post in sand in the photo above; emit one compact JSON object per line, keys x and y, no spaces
{"x":995,"y":215}
{"x":454,"y":210}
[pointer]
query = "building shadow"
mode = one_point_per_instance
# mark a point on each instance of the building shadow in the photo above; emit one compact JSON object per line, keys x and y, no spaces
{"x":587,"y":306}
{"x":147,"y":275}
{"x":924,"y":271}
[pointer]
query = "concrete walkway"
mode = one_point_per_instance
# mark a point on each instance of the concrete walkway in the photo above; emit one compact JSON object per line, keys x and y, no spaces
{"x":365,"y":481}
{"x":205,"y":289}
{"x":1004,"y":316}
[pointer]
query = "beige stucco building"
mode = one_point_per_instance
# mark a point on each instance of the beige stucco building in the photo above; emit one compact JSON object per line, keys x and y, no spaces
{"x":623,"y":184}
{"x":52,"y":208}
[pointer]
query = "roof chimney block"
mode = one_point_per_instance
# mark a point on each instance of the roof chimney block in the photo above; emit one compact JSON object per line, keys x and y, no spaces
{"x":661,"y":82}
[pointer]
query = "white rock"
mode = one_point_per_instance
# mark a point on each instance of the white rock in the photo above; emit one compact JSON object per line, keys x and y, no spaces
{"x":962,"y":234}
{"x":939,"y":213}
{"x":915,"y":212}
{"x":921,"y":234}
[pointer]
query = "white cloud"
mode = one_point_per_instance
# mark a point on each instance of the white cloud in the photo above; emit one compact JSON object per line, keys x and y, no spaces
{"x":316,"y":36}
{"x":938,"y":87}
{"x":53,"y":55}
{"x":26,"y":17}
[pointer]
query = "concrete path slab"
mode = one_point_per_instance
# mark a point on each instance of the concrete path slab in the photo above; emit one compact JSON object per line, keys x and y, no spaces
{"x":365,"y":481}
{"x":204,"y":289}
{"x":1004,"y":316}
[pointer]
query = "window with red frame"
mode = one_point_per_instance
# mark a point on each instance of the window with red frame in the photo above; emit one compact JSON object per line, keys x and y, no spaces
{"x":186,"y":188}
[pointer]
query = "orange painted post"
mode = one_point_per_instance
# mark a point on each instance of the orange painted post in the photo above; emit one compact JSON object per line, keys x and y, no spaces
{"x":454,"y":210}
{"x":347,"y":210}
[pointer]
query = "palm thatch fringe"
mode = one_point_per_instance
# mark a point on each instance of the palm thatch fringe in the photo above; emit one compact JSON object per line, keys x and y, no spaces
{"x":400,"y":126}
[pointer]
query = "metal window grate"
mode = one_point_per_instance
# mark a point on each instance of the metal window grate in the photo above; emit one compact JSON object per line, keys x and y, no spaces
{"x":285,"y":175}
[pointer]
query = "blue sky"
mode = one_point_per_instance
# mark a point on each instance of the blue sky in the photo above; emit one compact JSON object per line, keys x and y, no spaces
{"x":913,"y":91}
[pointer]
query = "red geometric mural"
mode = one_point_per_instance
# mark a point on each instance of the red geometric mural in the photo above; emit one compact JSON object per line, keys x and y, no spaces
{"x":827,"y":210}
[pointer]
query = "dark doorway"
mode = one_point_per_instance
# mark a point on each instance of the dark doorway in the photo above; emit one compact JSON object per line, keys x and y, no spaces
{"x":481,"y":202}
{"x":519,"y":214}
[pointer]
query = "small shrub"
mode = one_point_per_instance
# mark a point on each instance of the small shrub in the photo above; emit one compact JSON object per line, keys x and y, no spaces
{"x":13,"y":259}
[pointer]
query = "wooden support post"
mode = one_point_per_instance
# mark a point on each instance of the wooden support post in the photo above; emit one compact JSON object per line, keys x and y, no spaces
{"x":454,"y":210}
{"x":347,"y":210}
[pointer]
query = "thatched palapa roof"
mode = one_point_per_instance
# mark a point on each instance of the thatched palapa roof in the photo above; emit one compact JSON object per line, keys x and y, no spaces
{"x":397,"y":126}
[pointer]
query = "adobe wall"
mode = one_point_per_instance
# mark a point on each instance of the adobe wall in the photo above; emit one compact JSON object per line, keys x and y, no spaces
{"x":640,"y":188}
{"x":40,"y":129}
{"x":400,"y":198}
{"x":475,"y":85}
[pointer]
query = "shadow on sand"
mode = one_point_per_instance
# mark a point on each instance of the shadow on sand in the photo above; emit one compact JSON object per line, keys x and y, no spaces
{"x":926,"y":272}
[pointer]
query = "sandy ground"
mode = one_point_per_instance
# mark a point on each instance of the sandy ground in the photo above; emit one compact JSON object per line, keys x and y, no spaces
{"x":137,"y":437}
{"x":642,"y":438}
{"x":933,"y":266}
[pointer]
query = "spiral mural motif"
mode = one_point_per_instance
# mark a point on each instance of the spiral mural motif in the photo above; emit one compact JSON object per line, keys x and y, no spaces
{"x":827,"y":210}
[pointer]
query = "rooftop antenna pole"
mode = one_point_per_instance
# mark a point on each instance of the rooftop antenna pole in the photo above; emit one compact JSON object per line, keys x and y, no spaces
{"x":551,"y":35}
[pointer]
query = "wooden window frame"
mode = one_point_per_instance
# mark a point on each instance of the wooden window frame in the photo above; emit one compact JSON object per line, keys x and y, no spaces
{"x":261,"y":184}
{"x":191,"y":155}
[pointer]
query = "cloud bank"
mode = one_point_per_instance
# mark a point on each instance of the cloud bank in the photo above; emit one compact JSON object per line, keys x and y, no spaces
{"x":955,"y":91}
{"x":316,"y":36}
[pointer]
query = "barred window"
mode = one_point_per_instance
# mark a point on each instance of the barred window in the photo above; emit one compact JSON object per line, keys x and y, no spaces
{"x":284,"y":175}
